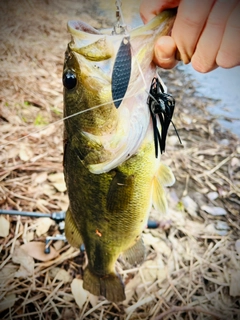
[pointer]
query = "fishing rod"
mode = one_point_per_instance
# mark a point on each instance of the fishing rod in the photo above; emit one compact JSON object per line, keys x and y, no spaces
{"x":59,"y":218}
{"x":56,"y":216}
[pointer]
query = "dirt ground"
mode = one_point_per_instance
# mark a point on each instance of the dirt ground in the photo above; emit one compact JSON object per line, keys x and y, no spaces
{"x":192,"y":269}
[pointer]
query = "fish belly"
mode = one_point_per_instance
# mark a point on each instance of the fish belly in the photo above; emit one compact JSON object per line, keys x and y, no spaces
{"x":108,"y":213}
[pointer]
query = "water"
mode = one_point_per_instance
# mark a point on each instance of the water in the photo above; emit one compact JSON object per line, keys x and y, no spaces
{"x":222,"y":85}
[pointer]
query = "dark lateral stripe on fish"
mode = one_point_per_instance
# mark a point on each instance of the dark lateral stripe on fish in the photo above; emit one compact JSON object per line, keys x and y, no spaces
{"x":121,"y":71}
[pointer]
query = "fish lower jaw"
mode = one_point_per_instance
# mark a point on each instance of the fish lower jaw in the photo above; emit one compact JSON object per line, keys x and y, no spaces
{"x":121,"y":146}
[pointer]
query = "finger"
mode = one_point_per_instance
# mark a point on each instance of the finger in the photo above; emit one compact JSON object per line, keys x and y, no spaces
{"x":149,"y":9}
{"x":204,"y":58}
{"x":164,"y":52}
{"x":189,"y":23}
{"x":229,"y":52}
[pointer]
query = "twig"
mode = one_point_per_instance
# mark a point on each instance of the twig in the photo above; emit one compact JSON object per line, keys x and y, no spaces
{"x":216,"y":167}
{"x":187,"y":309}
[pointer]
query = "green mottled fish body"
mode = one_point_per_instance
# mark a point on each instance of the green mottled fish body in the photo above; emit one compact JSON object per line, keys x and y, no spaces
{"x":111,"y":172}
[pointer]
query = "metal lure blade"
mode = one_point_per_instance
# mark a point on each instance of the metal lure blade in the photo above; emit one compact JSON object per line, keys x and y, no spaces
{"x":121,"y":71}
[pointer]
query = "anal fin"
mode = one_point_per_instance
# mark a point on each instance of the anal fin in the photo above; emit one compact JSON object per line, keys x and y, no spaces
{"x":71,"y":231}
{"x":136,"y":254}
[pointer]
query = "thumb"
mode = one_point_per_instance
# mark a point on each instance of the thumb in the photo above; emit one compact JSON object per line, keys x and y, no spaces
{"x":164,"y":52}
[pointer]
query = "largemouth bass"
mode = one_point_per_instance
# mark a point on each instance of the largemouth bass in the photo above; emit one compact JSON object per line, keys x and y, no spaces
{"x":112,"y":175}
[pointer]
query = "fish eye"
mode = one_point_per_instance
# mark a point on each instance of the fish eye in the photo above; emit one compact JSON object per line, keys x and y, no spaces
{"x":69,"y":80}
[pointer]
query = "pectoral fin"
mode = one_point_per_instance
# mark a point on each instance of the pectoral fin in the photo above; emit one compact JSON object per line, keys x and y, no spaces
{"x":165,"y":175}
{"x":71,"y":231}
{"x":163,"y":178}
{"x":136,"y":254}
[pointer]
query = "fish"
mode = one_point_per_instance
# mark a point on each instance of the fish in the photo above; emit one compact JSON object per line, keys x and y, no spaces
{"x":112,"y":175}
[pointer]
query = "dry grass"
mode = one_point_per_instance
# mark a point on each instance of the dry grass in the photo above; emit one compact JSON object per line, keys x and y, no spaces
{"x":192,"y":269}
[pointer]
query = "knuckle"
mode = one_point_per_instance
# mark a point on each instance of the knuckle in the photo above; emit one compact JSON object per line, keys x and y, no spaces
{"x":215,"y":23}
{"x":191,"y":23}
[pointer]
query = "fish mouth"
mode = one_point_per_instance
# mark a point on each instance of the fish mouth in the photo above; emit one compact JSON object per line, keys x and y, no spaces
{"x":83,"y":36}
{"x":94,"y":71}
{"x":75,"y":25}
{"x":82,"y":30}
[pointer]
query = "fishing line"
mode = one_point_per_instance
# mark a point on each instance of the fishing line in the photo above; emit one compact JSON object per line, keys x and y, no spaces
{"x":118,"y":4}
{"x":63,"y":119}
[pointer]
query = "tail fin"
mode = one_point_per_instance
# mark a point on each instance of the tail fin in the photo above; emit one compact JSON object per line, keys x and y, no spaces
{"x":109,"y":286}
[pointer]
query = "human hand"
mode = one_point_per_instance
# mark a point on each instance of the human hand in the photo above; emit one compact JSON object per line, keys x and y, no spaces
{"x":205,"y":33}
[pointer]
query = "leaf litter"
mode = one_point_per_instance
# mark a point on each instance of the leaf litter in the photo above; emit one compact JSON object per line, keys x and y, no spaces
{"x":192,"y":267}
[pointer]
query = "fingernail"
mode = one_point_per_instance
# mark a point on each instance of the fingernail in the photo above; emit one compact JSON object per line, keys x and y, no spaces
{"x":161,"y":55}
{"x":184,"y":58}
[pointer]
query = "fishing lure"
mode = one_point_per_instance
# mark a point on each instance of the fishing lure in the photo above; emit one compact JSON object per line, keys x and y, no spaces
{"x":123,"y":62}
{"x":121,"y":71}
{"x":161,"y":104}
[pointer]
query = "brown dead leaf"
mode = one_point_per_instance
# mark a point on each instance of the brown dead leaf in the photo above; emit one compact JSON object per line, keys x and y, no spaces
{"x":237,"y":246}
{"x":93,"y":300}
{"x":35,"y":249}
{"x":4,"y":227}
{"x":11,"y":154}
{"x":63,"y":202}
{"x":60,"y":275}
{"x":154,"y":269}
{"x":26,"y":263}
{"x":80,"y":295}
{"x":130,"y":288}
{"x":68,"y":313}
{"x":235,"y":283}
{"x":29,"y":236}
{"x":235,"y":162}
{"x":25,"y":153}
{"x":214,"y":211}
{"x":158,"y":244}
{"x":190,"y":206}
{"x":213,"y":195}
{"x":48,"y":190}
{"x":7,"y":272}
{"x":58,"y":244}
{"x":150,"y":271}
{"x":43,"y":225}
{"x":8,"y":302}
{"x":38,"y":178}
{"x":211,"y":229}
{"x":63,"y":275}
{"x":58,"y":181}
{"x":53,"y":272}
